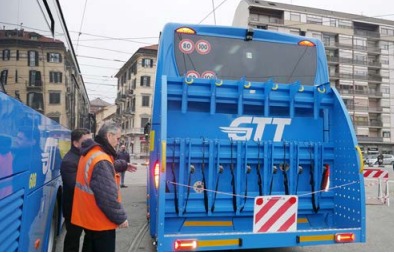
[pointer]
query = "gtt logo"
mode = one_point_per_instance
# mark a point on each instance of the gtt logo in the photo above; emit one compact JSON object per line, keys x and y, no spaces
{"x":237,"y":132}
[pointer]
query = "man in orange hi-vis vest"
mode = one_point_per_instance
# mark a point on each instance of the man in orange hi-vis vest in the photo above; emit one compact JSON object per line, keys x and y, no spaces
{"x":96,"y":206}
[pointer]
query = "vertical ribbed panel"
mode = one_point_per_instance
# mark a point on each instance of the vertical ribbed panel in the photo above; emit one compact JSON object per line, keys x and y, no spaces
{"x":10,"y":221}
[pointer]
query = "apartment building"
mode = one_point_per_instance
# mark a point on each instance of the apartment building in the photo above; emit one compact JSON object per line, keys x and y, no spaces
{"x":360,"y":54}
{"x":136,"y":80}
{"x":40,"y":72}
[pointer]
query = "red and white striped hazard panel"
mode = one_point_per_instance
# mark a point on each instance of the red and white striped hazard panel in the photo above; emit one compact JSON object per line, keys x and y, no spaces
{"x":376,"y":173}
{"x":275,"y":213}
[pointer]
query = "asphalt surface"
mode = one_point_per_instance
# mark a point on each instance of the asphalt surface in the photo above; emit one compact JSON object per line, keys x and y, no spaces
{"x":380,"y":220}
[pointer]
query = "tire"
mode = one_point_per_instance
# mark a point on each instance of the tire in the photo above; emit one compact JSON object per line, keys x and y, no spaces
{"x":51,"y":245}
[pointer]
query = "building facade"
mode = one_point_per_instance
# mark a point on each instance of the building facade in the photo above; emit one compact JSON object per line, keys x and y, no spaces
{"x":360,"y":54}
{"x":40,"y":72}
{"x":136,"y":81}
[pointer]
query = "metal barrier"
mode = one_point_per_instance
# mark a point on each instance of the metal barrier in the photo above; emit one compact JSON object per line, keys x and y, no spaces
{"x":380,"y":178}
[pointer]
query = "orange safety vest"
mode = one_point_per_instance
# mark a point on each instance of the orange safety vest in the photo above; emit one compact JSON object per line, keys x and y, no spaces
{"x":85,"y":212}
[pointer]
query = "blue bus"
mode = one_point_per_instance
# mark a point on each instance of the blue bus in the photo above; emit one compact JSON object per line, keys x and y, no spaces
{"x":40,"y":91}
{"x":250,"y":146}
{"x":31,"y":148}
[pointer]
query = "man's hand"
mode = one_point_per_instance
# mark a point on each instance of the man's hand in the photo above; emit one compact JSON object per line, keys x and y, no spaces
{"x":125,"y":224}
{"x":131,"y":168}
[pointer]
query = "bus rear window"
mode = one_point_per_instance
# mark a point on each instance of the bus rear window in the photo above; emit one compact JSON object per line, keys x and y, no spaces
{"x":228,"y":58}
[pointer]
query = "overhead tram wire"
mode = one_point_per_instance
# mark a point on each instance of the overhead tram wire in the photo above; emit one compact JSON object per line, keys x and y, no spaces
{"x":80,"y":28}
{"x":213,"y":11}
{"x":102,"y":59}
{"x":116,"y":38}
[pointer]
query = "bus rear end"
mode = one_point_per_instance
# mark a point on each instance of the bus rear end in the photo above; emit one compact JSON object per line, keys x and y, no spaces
{"x":250,"y":146}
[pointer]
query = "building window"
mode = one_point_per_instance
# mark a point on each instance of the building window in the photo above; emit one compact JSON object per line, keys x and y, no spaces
{"x":55,"y":77}
{"x":16,"y":76}
{"x":147,"y":63}
{"x":144,"y":121}
{"x":134,"y":84}
{"x":32,"y":58}
{"x":4,"y":76}
{"x":333,"y":22}
{"x":17,"y":55}
{"x":314,"y":20}
{"x":54,"y":57}
{"x":6,"y":54}
{"x":387,"y":31}
{"x":145,"y":100}
{"x":295,"y":17}
{"x":145,"y":81}
{"x":54,"y":97}
{"x":35,"y":78}
{"x":35,"y":100}
{"x":134,"y":68}
{"x":386,"y":134}
{"x":344,"y":24}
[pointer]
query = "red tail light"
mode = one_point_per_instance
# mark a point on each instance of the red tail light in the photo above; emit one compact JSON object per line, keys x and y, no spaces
{"x":325,"y":183}
{"x":182,"y":245}
{"x":156,"y":174}
{"x":344,"y":237}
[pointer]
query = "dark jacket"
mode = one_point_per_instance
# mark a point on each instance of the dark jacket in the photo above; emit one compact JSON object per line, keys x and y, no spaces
{"x":102,"y":181}
{"x":123,"y":155}
{"x":68,"y":170}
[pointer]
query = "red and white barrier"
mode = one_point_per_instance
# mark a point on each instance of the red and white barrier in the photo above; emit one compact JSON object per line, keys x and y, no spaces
{"x":275,"y":213}
{"x":380,"y":176}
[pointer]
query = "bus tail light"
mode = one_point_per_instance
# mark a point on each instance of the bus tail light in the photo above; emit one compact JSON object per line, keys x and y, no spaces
{"x":306,"y":43}
{"x":344,"y":237}
{"x":156,"y":174}
{"x":185,"y":245}
{"x":325,"y":182}
{"x":186,"y":30}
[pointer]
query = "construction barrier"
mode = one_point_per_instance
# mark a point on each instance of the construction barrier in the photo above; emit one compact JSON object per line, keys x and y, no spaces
{"x":379,"y":177}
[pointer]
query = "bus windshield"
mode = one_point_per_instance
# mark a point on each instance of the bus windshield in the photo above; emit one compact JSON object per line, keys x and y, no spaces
{"x":201,"y":56}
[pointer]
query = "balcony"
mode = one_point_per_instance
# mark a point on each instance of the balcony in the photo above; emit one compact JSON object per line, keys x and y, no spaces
{"x":374,"y":64}
{"x":130,"y":93}
{"x":365,"y":33}
{"x":375,"y":109}
{"x":36,"y":86}
{"x":369,"y":139}
{"x":375,"y":123}
{"x":122,"y":98}
{"x":134,"y":131}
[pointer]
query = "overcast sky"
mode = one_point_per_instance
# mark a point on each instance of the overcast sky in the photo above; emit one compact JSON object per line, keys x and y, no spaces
{"x":106,"y":33}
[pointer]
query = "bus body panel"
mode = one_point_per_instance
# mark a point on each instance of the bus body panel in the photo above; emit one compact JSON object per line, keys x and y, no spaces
{"x":30,"y":182}
{"x":236,"y":118}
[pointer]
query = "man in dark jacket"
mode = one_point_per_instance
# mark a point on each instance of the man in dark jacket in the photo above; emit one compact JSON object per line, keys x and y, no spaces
{"x":123,"y":155}
{"x":68,"y":170}
{"x":96,"y":205}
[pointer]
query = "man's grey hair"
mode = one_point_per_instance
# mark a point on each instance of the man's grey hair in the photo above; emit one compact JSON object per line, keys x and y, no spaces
{"x":108,"y":127}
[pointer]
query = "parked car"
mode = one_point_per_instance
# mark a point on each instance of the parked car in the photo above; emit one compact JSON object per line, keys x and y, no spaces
{"x":371,"y":160}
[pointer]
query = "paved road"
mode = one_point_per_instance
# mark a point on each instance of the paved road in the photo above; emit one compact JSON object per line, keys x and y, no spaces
{"x":380,"y":221}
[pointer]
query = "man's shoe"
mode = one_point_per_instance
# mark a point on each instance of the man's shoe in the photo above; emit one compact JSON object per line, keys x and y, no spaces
{"x":123,"y":186}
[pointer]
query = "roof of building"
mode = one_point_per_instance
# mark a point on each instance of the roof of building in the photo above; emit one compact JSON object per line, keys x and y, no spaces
{"x":148,"y":50}
{"x":98,"y":102}
{"x":279,"y":6}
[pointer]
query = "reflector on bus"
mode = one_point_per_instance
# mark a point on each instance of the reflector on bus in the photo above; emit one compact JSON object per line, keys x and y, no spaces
{"x":306,"y":43}
{"x":186,"y":30}
{"x":156,"y":174}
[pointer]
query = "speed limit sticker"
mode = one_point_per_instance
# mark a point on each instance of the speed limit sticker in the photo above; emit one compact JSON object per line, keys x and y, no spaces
{"x":186,"y":46}
{"x":192,"y":74}
{"x":203,"y":47}
{"x":208,"y":75}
